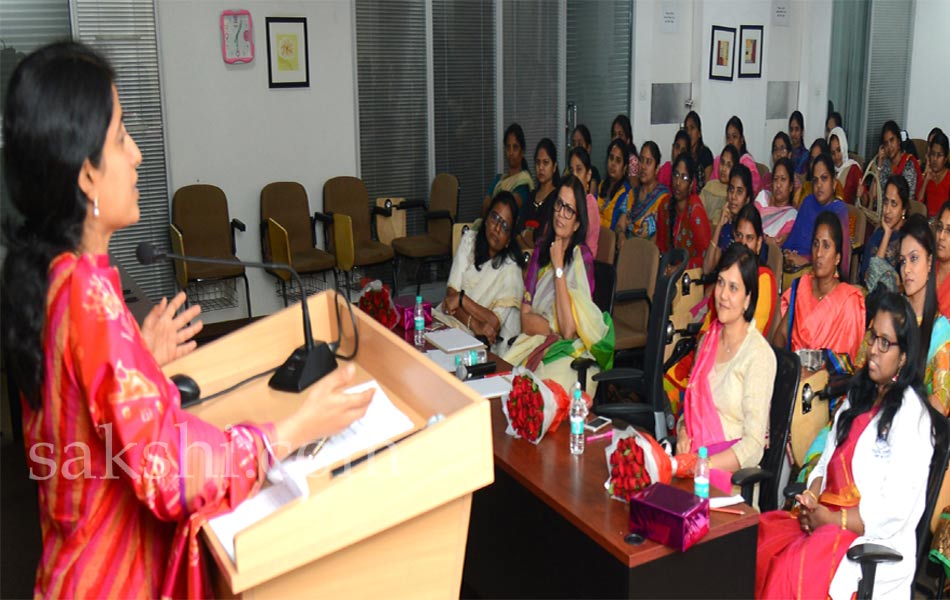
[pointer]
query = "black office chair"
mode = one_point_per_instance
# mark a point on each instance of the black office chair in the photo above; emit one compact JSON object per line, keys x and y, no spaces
{"x":653,"y":413}
{"x":869,"y":555}
{"x":788,"y":370}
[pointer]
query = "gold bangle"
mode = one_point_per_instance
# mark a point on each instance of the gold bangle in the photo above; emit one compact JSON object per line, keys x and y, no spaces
{"x":812,"y":494}
{"x":469,"y":322}
{"x":844,"y":518}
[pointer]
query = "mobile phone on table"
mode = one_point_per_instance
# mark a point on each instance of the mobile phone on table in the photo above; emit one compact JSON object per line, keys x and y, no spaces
{"x":597,"y":423}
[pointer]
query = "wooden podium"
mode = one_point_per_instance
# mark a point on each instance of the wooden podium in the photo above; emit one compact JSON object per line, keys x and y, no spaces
{"x":392,"y":526}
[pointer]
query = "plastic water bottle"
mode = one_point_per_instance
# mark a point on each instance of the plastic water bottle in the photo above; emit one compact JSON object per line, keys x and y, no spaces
{"x":578,"y":417}
{"x":419,"y":339}
{"x":701,"y":474}
{"x":475,"y":357}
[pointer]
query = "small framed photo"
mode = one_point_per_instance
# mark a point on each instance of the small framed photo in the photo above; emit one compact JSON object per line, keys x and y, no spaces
{"x":288,"y":63}
{"x":721,"y":52}
{"x":750,"y":50}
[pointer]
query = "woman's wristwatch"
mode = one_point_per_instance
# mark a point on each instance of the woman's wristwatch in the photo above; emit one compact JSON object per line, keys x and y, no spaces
{"x":461,"y":297}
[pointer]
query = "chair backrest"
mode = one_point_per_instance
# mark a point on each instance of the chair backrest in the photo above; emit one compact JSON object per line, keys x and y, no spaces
{"x":200,"y":212}
{"x":940,"y":428}
{"x":458,"y":230}
{"x":762,"y":169}
{"x":857,"y":158}
{"x":669,"y":274}
{"x":858,"y":221}
{"x":286,"y":202}
{"x":348,"y":196}
{"x":637,"y":268}
{"x":775,"y":261}
{"x":443,"y":196}
{"x":920,"y":146}
{"x":605,"y":284}
{"x":606,"y":246}
{"x":788,"y":370}
{"x":917,"y":208}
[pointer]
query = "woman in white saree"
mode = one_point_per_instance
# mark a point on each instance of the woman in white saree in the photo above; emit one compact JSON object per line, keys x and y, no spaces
{"x":559,"y":319}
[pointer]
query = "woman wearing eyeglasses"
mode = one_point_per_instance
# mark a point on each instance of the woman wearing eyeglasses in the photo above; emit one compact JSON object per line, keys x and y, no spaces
{"x":870,"y":483}
{"x":682,"y":221}
{"x":485,"y":284}
{"x":559,"y":319}
{"x":935,"y":188}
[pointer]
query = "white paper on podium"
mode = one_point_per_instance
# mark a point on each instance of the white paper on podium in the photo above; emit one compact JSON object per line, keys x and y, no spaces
{"x":382,"y":422}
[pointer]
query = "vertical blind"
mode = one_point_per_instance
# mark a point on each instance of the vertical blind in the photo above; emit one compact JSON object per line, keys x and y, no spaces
{"x":599,"y":42}
{"x":124,"y":31}
{"x":463,"y":48}
{"x":890,"y":46}
{"x":391,"y":77}
{"x":530,"y":35}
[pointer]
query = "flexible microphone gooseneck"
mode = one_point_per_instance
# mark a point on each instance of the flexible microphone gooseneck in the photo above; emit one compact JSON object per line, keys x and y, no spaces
{"x":308,"y":363}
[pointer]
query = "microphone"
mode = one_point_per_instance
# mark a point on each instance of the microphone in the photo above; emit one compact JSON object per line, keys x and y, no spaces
{"x":306,"y":364}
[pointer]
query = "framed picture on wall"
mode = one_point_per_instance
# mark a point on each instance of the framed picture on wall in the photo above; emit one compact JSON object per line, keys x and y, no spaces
{"x":750,"y":51}
{"x":721,"y":52}
{"x":288,"y":63}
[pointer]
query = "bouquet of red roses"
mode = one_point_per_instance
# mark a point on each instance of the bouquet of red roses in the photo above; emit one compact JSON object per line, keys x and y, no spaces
{"x":377,"y":303}
{"x":533,"y":407}
{"x":635,"y":460}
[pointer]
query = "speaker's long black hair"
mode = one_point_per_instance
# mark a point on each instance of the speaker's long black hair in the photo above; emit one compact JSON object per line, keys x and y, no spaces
{"x":55,"y":117}
{"x":863,"y":392}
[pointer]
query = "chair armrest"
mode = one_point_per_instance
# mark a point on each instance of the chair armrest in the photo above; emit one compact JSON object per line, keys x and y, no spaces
{"x":750,"y":476}
{"x":407,"y":204}
{"x":794,"y":489}
{"x":382,"y":211}
{"x":619,"y":375}
{"x":239,"y":225}
{"x":875,"y":553}
{"x":582,"y":363}
{"x":439,"y":214}
{"x":634,"y":295}
{"x":325,"y":218}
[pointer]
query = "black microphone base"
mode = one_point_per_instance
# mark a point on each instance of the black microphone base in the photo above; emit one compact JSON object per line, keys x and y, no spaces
{"x":303,"y":368}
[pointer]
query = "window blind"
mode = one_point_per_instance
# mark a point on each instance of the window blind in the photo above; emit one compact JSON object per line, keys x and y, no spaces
{"x":889,"y":62}
{"x":124,"y":31}
{"x":530,"y":37}
{"x":463,"y":48}
{"x":599,"y":42}
{"x":391,"y":78}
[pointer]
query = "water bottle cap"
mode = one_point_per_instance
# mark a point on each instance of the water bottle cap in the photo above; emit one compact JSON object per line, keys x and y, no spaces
{"x":418,"y":299}
{"x":703,"y":453}
{"x":577,"y":393}
{"x":458,"y":360}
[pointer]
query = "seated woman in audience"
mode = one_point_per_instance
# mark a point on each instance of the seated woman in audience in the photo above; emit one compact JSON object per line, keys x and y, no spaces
{"x":559,"y":319}
{"x":580,"y":167}
{"x":680,"y":144}
{"x":833,"y":120}
{"x":892,"y":160}
{"x":736,"y":138}
{"x":640,"y":221}
{"x":849,"y":171}
{"x":775,"y":206}
{"x":580,"y":138}
{"x":614,"y":195}
{"x":780,"y":150}
{"x":726,"y":407}
{"x":713,"y":194}
{"x":633,"y":167}
{"x":942,"y":232}
{"x":485,"y":284}
{"x":682,"y":222}
{"x":796,"y":133}
{"x":702,"y":155}
{"x":935,"y":188}
{"x":620,"y":129}
{"x":518,"y":180}
{"x":882,"y":250}
{"x":870,"y":482}
{"x":739,"y":195}
{"x":819,"y":310}
{"x":749,"y":232}
{"x":798,"y":246}
{"x":818,"y":147}
{"x":536,"y":214}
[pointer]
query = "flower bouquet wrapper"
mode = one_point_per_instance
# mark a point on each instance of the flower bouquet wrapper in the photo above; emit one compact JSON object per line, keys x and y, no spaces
{"x":669,"y":516}
{"x":405,"y":305}
{"x":375,"y":300}
{"x":635,"y":460}
{"x":532,"y":408}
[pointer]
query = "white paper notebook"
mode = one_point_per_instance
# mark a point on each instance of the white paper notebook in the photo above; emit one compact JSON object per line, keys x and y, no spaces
{"x":491,"y":387}
{"x":452,"y":340}
{"x":383,"y":421}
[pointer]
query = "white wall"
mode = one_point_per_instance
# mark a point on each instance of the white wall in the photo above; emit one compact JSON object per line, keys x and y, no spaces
{"x":226,"y":127}
{"x":928,"y":102}
{"x":684,"y":57}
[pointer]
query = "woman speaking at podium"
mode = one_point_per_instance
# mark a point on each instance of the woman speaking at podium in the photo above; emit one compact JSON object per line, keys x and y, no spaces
{"x":125,"y":476}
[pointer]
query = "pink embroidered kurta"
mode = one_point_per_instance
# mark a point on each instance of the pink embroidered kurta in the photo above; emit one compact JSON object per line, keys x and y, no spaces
{"x":125,"y":476}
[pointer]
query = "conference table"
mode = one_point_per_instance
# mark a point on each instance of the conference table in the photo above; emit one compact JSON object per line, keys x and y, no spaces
{"x":548,"y":528}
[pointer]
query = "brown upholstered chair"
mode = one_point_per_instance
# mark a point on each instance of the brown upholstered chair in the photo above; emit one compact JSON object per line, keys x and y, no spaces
{"x":346,"y":218}
{"x":637,"y":265}
{"x":605,"y":273}
{"x":288,"y":233}
{"x":201,"y":226}
{"x":858,"y":221}
{"x":436,"y":244}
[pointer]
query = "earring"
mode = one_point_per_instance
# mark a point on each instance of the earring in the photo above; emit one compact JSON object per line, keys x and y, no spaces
{"x":95,"y":206}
